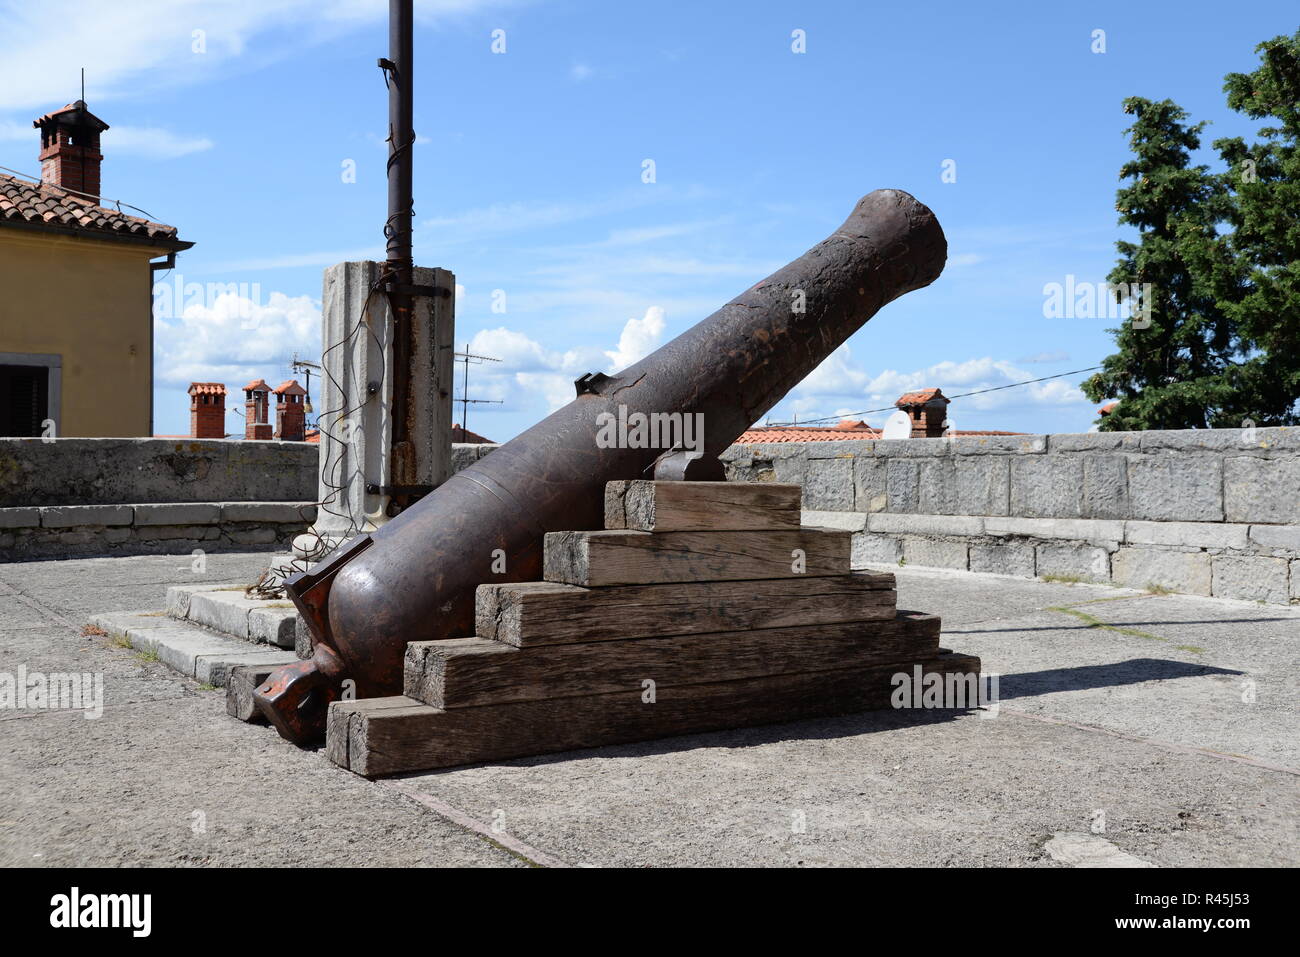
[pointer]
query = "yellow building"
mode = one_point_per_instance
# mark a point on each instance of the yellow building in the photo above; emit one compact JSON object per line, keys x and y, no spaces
{"x":76,"y":294}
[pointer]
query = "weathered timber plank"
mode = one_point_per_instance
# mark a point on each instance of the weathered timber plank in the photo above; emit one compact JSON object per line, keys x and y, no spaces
{"x":526,"y":614}
{"x":696,"y":506}
{"x":472,"y":672}
{"x":414,"y":737}
{"x":343,"y":716}
{"x":643,"y":558}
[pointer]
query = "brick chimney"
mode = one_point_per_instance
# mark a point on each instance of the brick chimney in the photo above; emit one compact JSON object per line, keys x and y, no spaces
{"x":928,"y":410}
{"x":257,"y":396}
{"x":207,"y":410}
{"x":70,"y":155}
{"x":290,"y":412}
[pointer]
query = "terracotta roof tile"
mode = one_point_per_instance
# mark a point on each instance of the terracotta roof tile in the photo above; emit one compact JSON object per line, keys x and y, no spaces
{"x":289,"y":387}
{"x":258,"y":384}
{"x":920,"y":397}
{"x":207,"y":388}
{"x":23,"y":201}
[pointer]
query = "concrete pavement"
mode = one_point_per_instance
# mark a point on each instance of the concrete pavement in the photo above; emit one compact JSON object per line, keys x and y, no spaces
{"x":1148,"y":729}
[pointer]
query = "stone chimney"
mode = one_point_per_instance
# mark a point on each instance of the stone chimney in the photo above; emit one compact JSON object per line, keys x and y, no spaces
{"x":290,"y":412}
{"x":70,"y":155}
{"x":257,"y":396}
{"x":928,"y":410}
{"x":207,"y":410}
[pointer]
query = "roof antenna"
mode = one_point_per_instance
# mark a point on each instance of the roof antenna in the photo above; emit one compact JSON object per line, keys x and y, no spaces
{"x":83,"y":84}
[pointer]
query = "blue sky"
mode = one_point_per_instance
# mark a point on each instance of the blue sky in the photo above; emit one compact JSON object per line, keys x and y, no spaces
{"x":528,"y":174}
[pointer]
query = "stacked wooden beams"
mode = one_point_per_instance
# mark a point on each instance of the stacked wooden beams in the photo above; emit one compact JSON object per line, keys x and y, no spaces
{"x":701,"y":606}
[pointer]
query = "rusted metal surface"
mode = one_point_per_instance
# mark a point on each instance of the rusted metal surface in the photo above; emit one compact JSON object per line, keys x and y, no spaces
{"x":416,"y":581}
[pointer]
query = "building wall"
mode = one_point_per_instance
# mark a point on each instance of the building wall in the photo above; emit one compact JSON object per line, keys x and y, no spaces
{"x":90,"y":303}
{"x":1203,"y":512}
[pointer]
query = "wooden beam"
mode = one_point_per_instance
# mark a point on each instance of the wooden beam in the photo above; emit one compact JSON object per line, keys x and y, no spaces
{"x":699,"y":506}
{"x":528,"y":614}
{"x":472,"y":672}
{"x":642,"y":558}
{"x":395,"y":735}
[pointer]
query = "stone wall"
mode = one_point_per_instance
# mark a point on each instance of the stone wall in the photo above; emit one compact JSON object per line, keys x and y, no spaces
{"x":1206,"y":512}
{"x":38,"y":472}
{"x":74,"y":531}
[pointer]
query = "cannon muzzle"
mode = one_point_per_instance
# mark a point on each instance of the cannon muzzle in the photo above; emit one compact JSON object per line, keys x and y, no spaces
{"x":414,"y":579}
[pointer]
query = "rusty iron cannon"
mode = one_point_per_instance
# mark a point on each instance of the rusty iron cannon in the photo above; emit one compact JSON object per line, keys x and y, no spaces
{"x":415,"y":578}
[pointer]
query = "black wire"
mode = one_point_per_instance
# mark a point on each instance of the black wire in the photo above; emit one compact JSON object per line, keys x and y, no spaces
{"x":950,"y":398}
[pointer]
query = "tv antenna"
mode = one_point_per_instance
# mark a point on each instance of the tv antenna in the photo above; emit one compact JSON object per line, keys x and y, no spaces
{"x":301,"y":367}
{"x":469,"y":358}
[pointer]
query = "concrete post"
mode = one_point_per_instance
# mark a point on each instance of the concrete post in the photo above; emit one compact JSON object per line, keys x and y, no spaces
{"x":356,"y":398}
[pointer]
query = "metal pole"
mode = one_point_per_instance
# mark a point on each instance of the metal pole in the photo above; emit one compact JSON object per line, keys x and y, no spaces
{"x":397,"y":230}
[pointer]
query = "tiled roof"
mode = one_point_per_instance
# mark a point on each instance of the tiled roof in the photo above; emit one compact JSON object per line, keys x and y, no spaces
{"x":465,"y":435}
{"x":77,"y":107}
{"x":207,"y":388}
{"x":258,"y":384}
{"x":794,"y":433}
{"x":1107,"y":409}
{"x":921,"y":397}
{"x":833,"y":434}
{"x":45,"y":206}
{"x":289,"y":387}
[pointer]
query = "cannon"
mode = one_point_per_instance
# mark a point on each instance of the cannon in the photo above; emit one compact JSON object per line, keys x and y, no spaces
{"x":415,"y":578}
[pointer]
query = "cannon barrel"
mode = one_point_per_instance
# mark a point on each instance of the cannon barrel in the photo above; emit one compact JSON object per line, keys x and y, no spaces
{"x":415,"y":578}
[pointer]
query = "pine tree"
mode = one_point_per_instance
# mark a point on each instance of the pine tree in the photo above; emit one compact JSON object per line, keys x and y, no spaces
{"x":1169,"y":370}
{"x":1261,"y":289}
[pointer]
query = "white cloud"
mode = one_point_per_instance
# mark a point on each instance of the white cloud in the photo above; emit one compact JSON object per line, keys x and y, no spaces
{"x":130,"y":48}
{"x":528,"y":370}
{"x":638,"y":339}
{"x":580,"y":72}
{"x":1044,"y":357}
{"x":152,"y":142}
{"x":839,"y":377}
{"x":236,"y":338}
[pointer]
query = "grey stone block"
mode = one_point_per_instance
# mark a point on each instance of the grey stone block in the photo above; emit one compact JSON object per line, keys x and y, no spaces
{"x":223,"y":610}
{"x":997,"y":444}
{"x":1295,"y":580}
{"x":257,"y":535}
{"x":870,"y":492}
{"x":1186,"y":534}
{"x":902,"y":485}
{"x":1047,"y":486}
{"x":848,"y":521}
{"x":1251,"y":578}
{"x":272,"y":512}
{"x":935,"y":553}
{"x":828,"y":484}
{"x":1141,"y":567}
{"x":214,"y":669}
{"x":110,"y":471}
{"x":178,"y":513}
{"x":937,"y":486}
{"x":1012,"y":558}
{"x":273,"y":624}
{"x":1077,"y":529}
{"x":871,"y":549}
{"x":116,"y":535}
{"x":983,"y":484}
{"x":1285,"y":537}
{"x":166,"y":533}
{"x":790,"y":469}
{"x":301,"y":639}
{"x":1083,"y":562}
{"x":20,"y":517}
{"x":1093,"y":441}
{"x":70,"y":516}
{"x":1186,"y":488}
{"x":1264,"y":490}
{"x":1105,"y":486}
{"x":905,"y":524}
